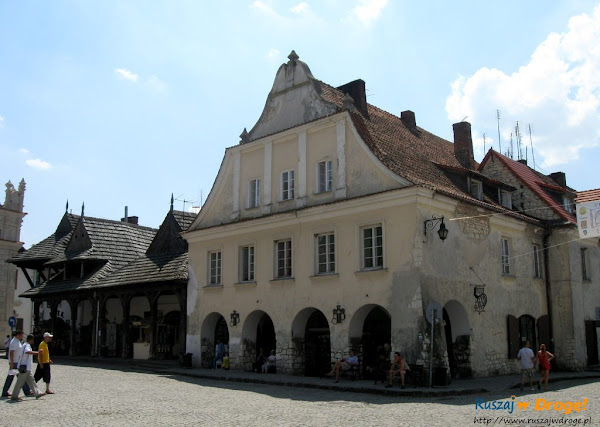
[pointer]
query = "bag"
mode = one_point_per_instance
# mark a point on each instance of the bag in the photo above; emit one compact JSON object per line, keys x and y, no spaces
{"x":22,"y":369}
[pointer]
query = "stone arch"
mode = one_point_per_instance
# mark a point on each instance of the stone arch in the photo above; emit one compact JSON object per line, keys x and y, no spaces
{"x":457,"y":331}
{"x":369,"y":331}
{"x":85,"y":327}
{"x":169,"y":336}
{"x":311,"y":342}
{"x":214,"y":327}
{"x":258,"y":332}
{"x":112,"y":327}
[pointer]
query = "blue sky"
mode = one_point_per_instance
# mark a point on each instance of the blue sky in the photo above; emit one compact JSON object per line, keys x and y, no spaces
{"x":123,"y":103}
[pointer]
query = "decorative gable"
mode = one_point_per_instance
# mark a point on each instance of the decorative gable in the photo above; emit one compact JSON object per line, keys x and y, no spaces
{"x":295,"y":98}
{"x":168,"y":239}
{"x":80,"y":240}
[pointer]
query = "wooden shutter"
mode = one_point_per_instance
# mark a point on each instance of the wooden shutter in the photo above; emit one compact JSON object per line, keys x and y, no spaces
{"x":513,"y":336}
{"x":543,"y":327}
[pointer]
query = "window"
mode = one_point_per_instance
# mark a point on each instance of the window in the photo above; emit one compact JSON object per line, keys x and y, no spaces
{"x":505,"y":199}
{"x":283,"y":259}
{"x":537,"y":269}
{"x":527,"y":330}
{"x":214,"y":268}
{"x":476,"y":189}
{"x":325,"y":176}
{"x":585,"y":271}
{"x":247,"y":264}
{"x":372,"y":250}
{"x":253,"y":193}
{"x":325,"y":253}
{"x":505,"y":257}
{"x":287,"y":185}
{"x":568,"y":205}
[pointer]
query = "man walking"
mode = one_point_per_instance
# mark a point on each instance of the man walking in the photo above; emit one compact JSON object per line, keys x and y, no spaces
{"x":527,"y":358}
{"x":25,"y":367}
{"x":14,"y":353}
{"x":44,"y":362}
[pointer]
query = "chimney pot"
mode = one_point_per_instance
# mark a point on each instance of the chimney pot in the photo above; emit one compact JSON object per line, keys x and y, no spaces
{"x":356,"y":89}
{"x":463,"y":144}
{"x":408,"y":118}
{"x":131,"y":220}
{"x":560,"y":178}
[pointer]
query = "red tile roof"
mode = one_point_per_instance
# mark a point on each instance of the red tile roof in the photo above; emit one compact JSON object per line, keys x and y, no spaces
{"x":537,"y":182}
{"x":588,"y":196}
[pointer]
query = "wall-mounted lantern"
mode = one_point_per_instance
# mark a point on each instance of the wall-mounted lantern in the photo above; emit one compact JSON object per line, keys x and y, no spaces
{"x":480,"y":298}
{"x":431,"y":223}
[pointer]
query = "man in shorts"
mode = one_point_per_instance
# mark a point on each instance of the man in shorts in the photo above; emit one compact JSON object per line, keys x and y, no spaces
{"x":527,"y":358}
{"x":44,"y":362}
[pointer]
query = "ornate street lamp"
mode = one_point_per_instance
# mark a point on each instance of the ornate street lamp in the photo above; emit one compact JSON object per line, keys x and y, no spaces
{"x":429,"y":224}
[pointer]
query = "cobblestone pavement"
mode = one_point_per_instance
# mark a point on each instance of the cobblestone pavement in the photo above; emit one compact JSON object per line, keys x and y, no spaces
{"x":107,"y":396}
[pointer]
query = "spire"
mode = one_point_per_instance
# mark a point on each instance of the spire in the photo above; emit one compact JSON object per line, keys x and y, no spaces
{"x":293,"y":56}
{"x":172,"y":201}
{"x":244,"y":136}
{"x":67,"y":207}
{"x":82,"y":208}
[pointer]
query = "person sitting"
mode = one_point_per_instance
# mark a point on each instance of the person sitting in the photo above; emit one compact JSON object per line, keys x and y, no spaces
{"x":259,"y":361}
{"x":271,"y":362}
{"x":343,"y":365}
{"x":399,"y":366}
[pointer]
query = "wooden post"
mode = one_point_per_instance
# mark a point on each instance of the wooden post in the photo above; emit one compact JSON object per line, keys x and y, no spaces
{"x":126,"y":306}
{"x":73,"y":305}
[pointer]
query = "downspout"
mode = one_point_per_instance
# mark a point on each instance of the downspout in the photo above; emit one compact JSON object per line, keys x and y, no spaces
{"x":547,"y":233}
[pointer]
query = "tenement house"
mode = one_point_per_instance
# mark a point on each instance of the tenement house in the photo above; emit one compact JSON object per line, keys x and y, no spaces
{"x":111,"y":288}
{"x":334,"y":225}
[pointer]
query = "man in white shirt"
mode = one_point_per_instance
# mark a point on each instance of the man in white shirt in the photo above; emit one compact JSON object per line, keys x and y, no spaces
{"x":14,"y":352}
{"x":527,"y":358}
{"x":26,"y":361}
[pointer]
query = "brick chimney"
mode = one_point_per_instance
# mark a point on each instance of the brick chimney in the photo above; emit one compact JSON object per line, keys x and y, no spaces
{"x":356,"y":89}
{"x":560,"y":178}
{"x":408,"y":118}
{"x":463,"y":144}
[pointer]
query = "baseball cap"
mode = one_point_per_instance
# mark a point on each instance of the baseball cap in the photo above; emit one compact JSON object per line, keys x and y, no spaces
{"x":48,"y":334}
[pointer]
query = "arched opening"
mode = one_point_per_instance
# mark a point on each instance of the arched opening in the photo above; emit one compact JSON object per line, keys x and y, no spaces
{"x":111,"y":326}
{"x":214,"y":332}
{"x":258,"y":336}
{"x":370,"y":330}
{"x":310,"y":330}
{"x":85,"y":328}
{"x":169,"y":340}
{"x":458,"y":339}
{"x":140,"y":326}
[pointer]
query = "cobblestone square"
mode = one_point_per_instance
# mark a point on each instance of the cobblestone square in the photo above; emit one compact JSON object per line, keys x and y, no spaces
{"x":109,"y":396}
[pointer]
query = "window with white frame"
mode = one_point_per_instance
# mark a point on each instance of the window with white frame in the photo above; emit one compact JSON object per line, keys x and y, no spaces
{"x":247,"y":263}
{"x":253,"y":193}
{"x":283,"y":259}
{"x":505,"y":256}
{"x":476,"y":189}
{"x":372,"y":247}
{"x":505,"y":199}
{"x":585,"y":265}
{"x":568,"y":205}
{"x":214,"y":268}
{"x":537,"y":265}
{"x":324,"y":176}
{"x":287,"y":185}
{"x":325,"y":251}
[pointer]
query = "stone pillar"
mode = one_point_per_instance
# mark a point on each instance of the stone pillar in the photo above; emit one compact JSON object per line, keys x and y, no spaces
{"x":94,"y":303}
{"x":153,"y":300}
{"x":53,"y":315}
{"x":73,"y":305}
{"x":126,"y":306}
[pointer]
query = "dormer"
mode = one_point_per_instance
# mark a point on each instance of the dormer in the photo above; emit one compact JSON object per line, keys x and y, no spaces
{"x":80,"y":240}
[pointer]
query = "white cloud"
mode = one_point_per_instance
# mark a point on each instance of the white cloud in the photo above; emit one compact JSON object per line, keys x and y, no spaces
{"x":557,"y":91}
{"x":23,"y":151}
{"x":263,"y":7}
{"x":367,"y":11}
{"x":300,"y":8}
{"x":272,"y":53}
{"x":157,"y":84}
{"x":126,"y":74}
{"x":1,"y":121}
{"x":38,"y":164}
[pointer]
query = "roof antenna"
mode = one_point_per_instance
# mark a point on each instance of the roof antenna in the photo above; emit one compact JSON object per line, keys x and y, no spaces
{"x":499,"y":142}
{"x":172,"y":201}
{"x":484,"y":144}
{"x":531,"y":143}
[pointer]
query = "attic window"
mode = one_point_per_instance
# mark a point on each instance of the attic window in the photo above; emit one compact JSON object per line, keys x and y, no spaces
{"x":476,"y":189}
{"x":505,"y":198}
{"x":567,"y":204}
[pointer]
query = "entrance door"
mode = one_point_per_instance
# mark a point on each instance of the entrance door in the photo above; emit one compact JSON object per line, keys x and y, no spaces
{"x":317,"y":346}
{"x":591,"y":341}
{"x":265,"y":335}
{"x":450,"y":345}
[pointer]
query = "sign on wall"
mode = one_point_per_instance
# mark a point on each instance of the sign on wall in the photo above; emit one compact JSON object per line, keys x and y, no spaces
{"x":588,"y":219}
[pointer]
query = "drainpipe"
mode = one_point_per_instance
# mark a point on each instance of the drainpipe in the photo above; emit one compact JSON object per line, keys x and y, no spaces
{"x":547,"y":233}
